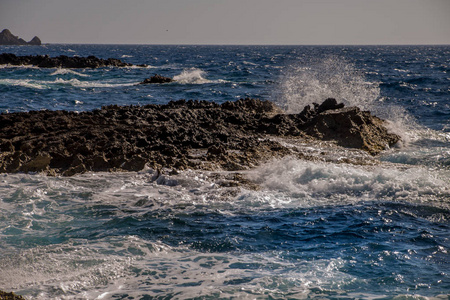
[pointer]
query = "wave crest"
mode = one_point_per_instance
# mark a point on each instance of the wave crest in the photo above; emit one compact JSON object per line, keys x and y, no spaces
{"x":61,"y":71}
{"x":192,"y":76}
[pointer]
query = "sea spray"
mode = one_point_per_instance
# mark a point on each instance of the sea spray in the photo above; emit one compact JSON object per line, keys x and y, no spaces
{"x":191,"y":76}
{"x":314,"y":80}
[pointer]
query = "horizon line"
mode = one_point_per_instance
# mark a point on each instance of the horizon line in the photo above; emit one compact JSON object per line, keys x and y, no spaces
{"x":214,"y":44}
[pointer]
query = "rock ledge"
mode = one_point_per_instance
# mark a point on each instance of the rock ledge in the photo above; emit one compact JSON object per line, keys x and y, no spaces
{"x":179,"y":135}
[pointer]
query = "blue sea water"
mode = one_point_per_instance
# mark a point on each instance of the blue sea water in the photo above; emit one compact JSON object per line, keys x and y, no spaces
{"x":324,"y":228}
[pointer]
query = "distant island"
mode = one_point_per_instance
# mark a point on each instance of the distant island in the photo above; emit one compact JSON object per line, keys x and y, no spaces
{"x":7,"y":38}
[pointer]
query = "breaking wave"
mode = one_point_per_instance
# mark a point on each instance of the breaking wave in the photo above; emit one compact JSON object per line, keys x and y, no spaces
{"x":68,"y":71}
{"x":334,"y":77}
{"x":194,"y":76}
{"x":43,"y":84}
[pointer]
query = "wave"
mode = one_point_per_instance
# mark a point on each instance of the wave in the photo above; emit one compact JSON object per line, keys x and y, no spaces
{"x":334,"y":77}
{"x":125,"y":265}
{"x":7,"y":66}
{"x":28,"y":83}
{"x":88,"y":84}
{"x":316,"y":80}
{"x":194,"y":76}
{"x":291,"y":182}
{"x":40,"y":85}
{"x":68,"y":71}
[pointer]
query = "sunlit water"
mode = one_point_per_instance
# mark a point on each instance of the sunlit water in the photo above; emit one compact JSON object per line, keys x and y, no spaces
{"x":320,"y":228}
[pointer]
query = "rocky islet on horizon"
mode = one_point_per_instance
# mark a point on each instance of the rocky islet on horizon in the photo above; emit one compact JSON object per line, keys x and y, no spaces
{"x":7,"y":38}
{"x":179,"y":135}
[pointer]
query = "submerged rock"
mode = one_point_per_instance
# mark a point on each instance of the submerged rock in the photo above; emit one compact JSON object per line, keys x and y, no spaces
{"x":179,"y":135}
{"x":62,"y":61}
{"x":157,"y":79}
{"x":7,"y":38}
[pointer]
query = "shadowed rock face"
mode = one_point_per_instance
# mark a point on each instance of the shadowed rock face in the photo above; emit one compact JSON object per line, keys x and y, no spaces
{"x":62,"y":61}
{"x":7,"y":38}
{"x":182,"y":134}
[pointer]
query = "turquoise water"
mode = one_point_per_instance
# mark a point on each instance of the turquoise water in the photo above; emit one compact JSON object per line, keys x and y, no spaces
{"x":324,"y":228}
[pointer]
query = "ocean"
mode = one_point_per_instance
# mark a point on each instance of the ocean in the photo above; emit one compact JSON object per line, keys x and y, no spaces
{"x":323,"y":228}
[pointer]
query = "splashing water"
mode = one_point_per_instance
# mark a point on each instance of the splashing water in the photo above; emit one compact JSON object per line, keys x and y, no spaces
{"x":336,"y":77}
{"x":314,"y":81}
{"x":191,"y":76}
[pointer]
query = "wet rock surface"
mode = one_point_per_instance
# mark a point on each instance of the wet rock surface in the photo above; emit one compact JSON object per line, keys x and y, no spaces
{"x":62,"y":61}
{"x":179,"y":135}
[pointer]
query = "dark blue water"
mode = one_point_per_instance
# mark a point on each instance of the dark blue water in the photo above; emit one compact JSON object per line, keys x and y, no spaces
{"x":329,"y":229}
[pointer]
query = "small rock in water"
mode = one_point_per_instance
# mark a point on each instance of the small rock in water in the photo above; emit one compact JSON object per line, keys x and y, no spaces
{"x":157,"y":79}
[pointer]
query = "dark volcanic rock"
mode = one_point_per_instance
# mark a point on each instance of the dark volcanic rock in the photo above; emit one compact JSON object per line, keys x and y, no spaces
{"x":157,"y":79}
{"x":10,"y":296}
{"x":181,"y":134}
{"x":7,"y":38}
{"x":62,"y":61}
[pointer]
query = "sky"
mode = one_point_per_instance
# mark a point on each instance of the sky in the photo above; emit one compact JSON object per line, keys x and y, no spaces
{"x":248,"y":22}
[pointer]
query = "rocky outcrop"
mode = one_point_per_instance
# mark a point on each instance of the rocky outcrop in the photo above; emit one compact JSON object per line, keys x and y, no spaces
{"x":7,"y":38}
{"x":10,"y":296}
{"x":157,"y":79}
{"x":35,"y":41}
{"x":62,"y":61}
{"x":181,"y":134}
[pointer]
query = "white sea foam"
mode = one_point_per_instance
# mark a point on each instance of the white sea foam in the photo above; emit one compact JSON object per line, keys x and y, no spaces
{"x":18,"y":67}
{"x":88,"y":84}
{"x":191,"y":76}
{"x":28,"y":83}
{"x":119,"y":265}
{"x":68,"y":71}
{"x":46,"y":84}
{"x":133,"y":266}
{"x":290,"y":182}
{"x":194,"y":76}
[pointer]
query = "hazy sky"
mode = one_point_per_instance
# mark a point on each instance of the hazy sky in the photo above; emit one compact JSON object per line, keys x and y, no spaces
{"x":229,"y":21}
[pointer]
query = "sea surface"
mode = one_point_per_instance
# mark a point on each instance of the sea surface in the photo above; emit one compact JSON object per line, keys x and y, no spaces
{"x":315,"y":229}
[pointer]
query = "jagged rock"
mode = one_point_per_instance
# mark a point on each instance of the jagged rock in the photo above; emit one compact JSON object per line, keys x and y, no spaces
{"x":7,"y":38}
{"x":157,"y":79}
{"x":62,"y":61}
{"x":181,"y":134}
{"x":351,"y":127}
{"x":10,"y":296}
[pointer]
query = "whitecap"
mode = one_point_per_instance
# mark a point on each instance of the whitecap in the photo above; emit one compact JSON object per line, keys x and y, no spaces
{"x":89,"y":84}
{"x":24,"y":83}
{"x":194,"y":76}
{"x":290,"y":182}
{"x":61,"y":71}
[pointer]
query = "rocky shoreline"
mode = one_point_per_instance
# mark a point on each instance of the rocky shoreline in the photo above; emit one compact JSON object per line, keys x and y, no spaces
{"x":179,"y":135}
{"x":62,"y":61}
